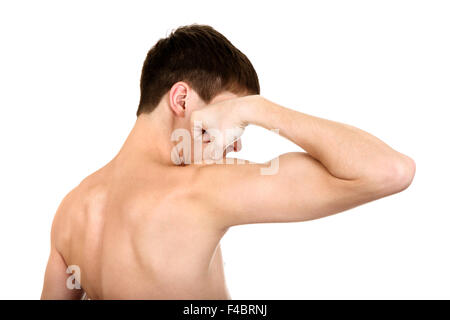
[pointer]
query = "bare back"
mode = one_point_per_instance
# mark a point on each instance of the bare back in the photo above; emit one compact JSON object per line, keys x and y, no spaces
{"x":142,"y":227}
{"x":139,"y":233}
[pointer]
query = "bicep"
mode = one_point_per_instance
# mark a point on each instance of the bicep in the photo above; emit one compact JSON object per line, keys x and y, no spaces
{"x":300,"y":189}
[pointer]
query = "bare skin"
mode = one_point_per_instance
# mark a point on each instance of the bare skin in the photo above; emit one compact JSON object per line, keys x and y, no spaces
{"x":144,"y":228}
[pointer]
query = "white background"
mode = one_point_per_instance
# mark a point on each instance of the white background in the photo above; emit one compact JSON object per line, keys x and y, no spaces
{"x":69,"y":89}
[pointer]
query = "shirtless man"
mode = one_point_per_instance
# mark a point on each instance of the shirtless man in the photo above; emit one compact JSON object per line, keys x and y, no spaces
{"x":148,"y":224}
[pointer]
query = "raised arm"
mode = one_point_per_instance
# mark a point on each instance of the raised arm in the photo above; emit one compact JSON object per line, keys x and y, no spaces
{"x":343,"y":167}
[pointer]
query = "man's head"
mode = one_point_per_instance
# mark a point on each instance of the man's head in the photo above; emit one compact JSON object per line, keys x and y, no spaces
{"x":200,"y":58}
{"x":191,"y":68}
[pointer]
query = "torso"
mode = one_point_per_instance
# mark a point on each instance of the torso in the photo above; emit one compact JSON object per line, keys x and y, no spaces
{"x":138,"y":232}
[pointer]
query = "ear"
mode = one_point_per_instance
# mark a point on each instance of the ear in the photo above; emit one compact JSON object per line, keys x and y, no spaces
{"x":177,"y":98}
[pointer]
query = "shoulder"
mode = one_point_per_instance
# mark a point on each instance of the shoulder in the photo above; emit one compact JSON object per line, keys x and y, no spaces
{"x":72,"y":206}
{"x":59,"y":222}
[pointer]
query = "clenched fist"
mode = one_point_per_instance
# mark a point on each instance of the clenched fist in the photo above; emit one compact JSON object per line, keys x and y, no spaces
{"x":221,"y":125}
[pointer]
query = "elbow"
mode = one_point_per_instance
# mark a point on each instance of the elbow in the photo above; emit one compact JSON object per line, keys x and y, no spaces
{"x":404,"y":173}
{"x":395,"y":175}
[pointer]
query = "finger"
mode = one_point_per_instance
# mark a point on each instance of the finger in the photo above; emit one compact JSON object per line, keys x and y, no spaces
{"x":213,"y":152}
{"x":232,"y":135}
{"x":206,"y":137}
{"x":215,"y":148}
{"x":238,"y":145}
{"x":235,"y":147}
{"x":228,"y":150}
{"x":197,"y":129}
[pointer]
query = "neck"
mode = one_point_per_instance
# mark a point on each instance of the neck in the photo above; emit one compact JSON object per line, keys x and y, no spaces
{"x":150,"y":138}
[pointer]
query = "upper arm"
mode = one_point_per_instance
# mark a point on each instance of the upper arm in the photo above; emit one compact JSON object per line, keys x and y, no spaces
{"x":56,"y":276}
{"x":55,"y":280}
{"x":301,"y":189}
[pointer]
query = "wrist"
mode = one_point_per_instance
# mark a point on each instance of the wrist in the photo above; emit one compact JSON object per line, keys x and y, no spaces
{"x":256,"y":110}
{"x":249,"y":108}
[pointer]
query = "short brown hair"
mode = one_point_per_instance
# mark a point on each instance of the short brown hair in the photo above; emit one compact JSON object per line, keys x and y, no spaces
{"x":200,"y":56}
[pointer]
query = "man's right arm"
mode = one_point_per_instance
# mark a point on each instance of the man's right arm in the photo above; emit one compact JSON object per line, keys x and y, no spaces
{"x":344,"y":167}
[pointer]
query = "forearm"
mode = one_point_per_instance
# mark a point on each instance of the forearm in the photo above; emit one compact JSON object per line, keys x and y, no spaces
{"x":347,"y":152}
